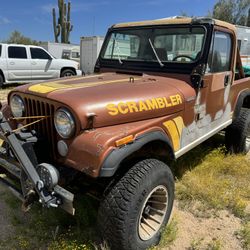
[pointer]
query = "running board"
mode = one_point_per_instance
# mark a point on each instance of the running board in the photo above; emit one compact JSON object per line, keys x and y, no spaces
{"x":203,"y":138}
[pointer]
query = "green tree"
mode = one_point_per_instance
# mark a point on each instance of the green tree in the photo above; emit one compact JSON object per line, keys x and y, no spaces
{"x":248,"y":18}
{"x":18,"y":38}
{"x":232,"y":11}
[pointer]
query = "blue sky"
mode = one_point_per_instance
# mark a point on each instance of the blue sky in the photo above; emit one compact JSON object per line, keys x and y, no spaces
{"x":34,"y":19}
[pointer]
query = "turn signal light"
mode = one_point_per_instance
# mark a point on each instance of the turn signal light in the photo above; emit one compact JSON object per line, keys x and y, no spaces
{"x":124,"y":140}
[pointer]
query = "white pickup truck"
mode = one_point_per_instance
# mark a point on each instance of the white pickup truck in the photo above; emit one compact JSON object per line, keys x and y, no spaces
{"x":27,"y":63}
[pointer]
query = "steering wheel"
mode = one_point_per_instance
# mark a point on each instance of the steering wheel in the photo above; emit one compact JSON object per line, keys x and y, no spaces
{"x":179,"y":56}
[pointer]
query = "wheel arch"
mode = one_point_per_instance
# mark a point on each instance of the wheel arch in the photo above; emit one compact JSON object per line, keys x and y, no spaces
{"x":2,"y":74}
{"x":243,"y":101}
{"x":65,"y":68}
{"x":153,"y":145}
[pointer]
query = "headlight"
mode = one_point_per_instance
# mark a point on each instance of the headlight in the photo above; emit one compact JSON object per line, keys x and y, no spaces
{"x":64,"y":123}
{"x":17,"y":106}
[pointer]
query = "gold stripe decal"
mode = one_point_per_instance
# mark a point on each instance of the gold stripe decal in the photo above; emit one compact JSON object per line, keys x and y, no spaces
{"x":180,"y":124}
{"x":175,"y":128}
{"x":45,"y":88}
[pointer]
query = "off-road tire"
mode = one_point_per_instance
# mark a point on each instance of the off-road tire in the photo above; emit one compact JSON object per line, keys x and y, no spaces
{"x":120,"y":211}
{"x":68,"y":73}
{"x":237,"y":136}
{"x":1,"y":81}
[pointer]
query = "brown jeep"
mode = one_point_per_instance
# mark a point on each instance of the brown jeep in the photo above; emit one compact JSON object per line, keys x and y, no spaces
{"x":160,"y":88}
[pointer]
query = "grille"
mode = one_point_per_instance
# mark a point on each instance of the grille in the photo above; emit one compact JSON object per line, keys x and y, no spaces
{"x":45,"y":128}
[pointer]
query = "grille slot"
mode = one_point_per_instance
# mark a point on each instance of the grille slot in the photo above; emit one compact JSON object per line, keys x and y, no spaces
{"x":44,"y":128}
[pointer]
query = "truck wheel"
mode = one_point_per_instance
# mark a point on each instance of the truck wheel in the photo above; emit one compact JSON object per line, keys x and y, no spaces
{"x":238,"y":133}
{"x":67,"y":73}
{"x":135,"y":210}
{"x":1,"y":81}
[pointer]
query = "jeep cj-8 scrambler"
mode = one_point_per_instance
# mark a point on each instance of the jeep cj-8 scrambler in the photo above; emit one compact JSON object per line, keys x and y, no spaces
{"x":160,"y":88}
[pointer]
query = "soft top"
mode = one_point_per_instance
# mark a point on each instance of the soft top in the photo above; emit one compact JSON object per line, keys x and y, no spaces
{"x":177,"y":20}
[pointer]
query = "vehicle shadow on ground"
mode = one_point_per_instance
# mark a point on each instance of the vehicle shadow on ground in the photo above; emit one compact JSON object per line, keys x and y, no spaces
{"x":12,"y":85}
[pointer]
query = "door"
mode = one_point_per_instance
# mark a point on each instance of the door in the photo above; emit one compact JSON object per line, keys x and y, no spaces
{"x":19,"y":67}
{"x":42,"y":64}
{"x":213,"y":106}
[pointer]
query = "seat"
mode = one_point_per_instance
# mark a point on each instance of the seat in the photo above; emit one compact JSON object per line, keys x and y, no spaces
{"x":162,"y":54}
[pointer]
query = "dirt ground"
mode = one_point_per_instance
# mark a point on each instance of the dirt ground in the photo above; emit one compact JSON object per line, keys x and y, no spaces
{"x":206,"y":233}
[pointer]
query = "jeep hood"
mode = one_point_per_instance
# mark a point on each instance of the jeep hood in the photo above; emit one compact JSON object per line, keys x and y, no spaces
{"x":112,"y":98}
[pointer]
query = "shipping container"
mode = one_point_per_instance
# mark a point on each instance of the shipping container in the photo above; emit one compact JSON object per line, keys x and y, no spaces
{"x":89,"y":50}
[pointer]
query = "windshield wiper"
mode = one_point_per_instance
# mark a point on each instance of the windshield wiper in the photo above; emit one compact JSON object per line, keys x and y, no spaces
{"x":156,"y":55}
{"x":119,"y":52}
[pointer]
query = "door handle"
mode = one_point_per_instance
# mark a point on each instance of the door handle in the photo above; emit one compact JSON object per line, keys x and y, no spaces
{"x":33,"y":63}
{"x":12,"y":63}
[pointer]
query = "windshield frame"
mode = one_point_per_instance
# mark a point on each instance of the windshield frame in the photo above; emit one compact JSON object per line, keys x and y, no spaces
{"x":140,"y":65}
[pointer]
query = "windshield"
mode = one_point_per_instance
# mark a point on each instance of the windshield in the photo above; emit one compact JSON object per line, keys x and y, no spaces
{"x":179,"y":45}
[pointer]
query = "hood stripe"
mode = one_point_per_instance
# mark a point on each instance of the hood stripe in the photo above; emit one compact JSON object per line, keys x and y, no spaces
{"x":45,"y":88}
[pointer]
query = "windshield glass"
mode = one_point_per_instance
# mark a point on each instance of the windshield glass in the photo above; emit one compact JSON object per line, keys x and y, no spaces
{"x":181,"y":45}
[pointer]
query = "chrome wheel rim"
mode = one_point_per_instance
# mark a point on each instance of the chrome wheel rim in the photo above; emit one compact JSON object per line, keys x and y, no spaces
{"x":247,"y":143}
{"x":153,"y":213}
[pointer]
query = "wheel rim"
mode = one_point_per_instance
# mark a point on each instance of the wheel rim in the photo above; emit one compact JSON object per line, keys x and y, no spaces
{"x":153,"y":213}
{"x":247,"y":143}
{"x":67,"y":74}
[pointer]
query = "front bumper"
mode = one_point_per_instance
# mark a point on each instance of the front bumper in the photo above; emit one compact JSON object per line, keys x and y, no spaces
{"x":79,"y":72}
{"x":17,"y":163}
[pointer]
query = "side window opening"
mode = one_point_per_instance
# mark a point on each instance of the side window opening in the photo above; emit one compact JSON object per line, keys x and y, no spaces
{"x":220,"y":53}
{"x":17,"y":52}
{"x":37,"y":53}
{"x":0,"y":50}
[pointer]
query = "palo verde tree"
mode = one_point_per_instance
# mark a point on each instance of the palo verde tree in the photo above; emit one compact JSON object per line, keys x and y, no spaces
{"x":63,"y":25}
{"x":17,"y":38}
{"x":232,"y":11}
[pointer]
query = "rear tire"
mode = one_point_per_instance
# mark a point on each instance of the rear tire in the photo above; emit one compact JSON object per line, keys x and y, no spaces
{"x":1,"y":81}
{"x":129,"y":213}
{"x":238,"y":133}
{"x":68,"y":73}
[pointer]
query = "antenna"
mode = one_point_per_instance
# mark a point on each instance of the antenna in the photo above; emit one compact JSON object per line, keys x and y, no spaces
{"x":94,"y":26}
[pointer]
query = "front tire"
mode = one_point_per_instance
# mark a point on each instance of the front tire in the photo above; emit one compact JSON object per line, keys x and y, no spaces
{"x":68,"y":73}
{"x":135,"y":210}
{"x":238,"y":133}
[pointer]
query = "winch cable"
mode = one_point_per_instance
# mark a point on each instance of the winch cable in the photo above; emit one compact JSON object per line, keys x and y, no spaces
{"x":29,"y":124}
{"x":28,"y":117}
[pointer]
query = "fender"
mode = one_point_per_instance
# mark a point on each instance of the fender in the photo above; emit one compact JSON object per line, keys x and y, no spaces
{"x":112,"y":162}
{"x":240,"y":102}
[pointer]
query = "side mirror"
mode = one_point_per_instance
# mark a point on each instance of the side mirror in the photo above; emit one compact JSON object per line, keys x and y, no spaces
{"x":197,"y":74}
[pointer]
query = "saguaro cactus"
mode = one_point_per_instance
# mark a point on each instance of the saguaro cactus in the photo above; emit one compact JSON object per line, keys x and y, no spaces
{"x":248,"y":18}
{"x":63,"y":25}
